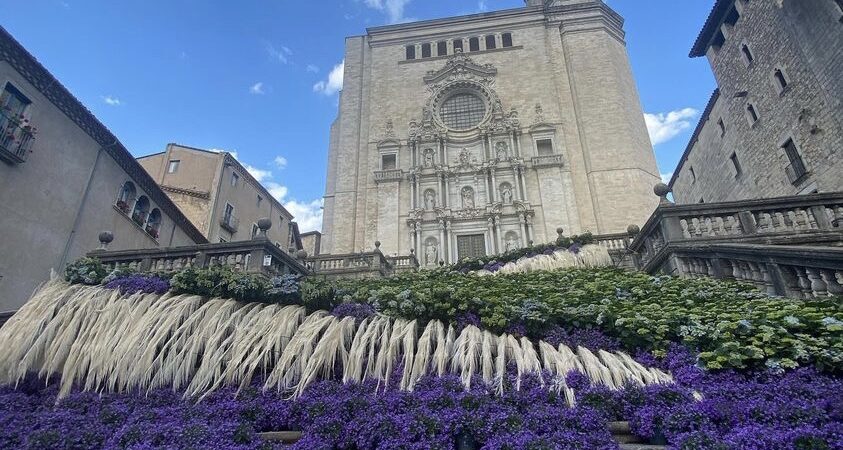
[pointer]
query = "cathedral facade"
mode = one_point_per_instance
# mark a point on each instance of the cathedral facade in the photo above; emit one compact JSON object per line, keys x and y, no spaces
{"x":479,"y":134}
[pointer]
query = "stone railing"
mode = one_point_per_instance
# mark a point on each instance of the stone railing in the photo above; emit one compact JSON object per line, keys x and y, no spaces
{"x":748,"y":240}
{"x":361,"y":265}
{"x":258,"y":255}
{"x":792,"y":271}
{"x":548,"y":160}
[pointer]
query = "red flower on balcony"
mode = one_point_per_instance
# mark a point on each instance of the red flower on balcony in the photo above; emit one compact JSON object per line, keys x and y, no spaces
{"x":123,"y":206}
{"x":152,"y":232}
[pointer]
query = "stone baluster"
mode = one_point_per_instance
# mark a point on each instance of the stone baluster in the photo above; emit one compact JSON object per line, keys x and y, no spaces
{"x":685,"y":229}
{"x":832,"y":285}
{"x":818,"y":286}
{"x":767,"y":278}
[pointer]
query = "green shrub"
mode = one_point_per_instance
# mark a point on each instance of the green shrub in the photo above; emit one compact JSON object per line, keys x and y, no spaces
{"x":732,"y":325}
{"x":221,"y":282}
{"x":88,"y":271}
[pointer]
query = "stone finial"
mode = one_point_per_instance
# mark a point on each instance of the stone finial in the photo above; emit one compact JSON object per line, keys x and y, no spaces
{"x":412,"y":251}
{"x":633,"y":230}
{"x":559,"y":231}
{"x":441,"y":263}
{"x":378,"y":246}
{"x":301,"y":255}
{"x":662,"y":190}
{"x":531,"y":242}
{"x":264,"y":224}
{"x":106,"y":237}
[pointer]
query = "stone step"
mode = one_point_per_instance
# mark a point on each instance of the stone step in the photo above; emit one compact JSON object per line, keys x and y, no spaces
{"x":620,"y":428}
{"x":285,"y":437}
{"x":642,"y":447}
{"x":627,"y":439}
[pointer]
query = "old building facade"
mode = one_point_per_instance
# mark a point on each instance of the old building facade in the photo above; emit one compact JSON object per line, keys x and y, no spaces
{"x":774,"y":127}
{"x":222,"y":199}
{"x":64,"y":178}
{"x":474,"y":135}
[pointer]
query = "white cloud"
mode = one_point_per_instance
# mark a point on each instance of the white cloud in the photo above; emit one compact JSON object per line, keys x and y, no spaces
{"x":334,"y":82}
{"x":259,"y":174}
{"x":666,"y":126}
{"x":278,"y":191}
{"x":394,"y":9}
{"x":257,"y":88}
{"x":312,"y":68}
{"x":482,"y":6}
{"x":281,"y":54}
{"x":308,"y":214}
{"x":111,"y":101}
{"x":280,"y":162}
{"x":666,"y":177}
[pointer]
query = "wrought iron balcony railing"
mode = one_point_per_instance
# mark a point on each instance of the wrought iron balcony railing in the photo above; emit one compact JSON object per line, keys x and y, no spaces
{"x":16,"y":136}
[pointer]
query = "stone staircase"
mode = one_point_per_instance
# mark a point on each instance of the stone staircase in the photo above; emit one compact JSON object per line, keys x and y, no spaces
{"x":620,"y":432}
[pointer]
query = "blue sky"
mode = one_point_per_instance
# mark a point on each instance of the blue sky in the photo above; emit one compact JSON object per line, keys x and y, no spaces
{"x":261,"y":80}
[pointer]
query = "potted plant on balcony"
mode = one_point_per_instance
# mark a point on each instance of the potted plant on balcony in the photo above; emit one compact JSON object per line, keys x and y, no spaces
{"x":152,"y":231}
{"x":123,"y":206}
{"x":139,"y":218}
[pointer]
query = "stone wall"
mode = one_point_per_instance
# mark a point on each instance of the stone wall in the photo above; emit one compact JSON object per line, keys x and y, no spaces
{"x":803,"y":39}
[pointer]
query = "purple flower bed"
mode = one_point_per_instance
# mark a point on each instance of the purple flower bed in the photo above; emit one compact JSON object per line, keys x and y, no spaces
{"x":797,"y":410}
{"x":591,"y":339}
{"x":149,"y":284}
{"x":359,"y":311}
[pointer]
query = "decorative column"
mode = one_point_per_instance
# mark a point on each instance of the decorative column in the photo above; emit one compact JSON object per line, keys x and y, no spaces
{"x":443,"y":152}
{"x":499,"y":234}
{"x":515,"y":170}
{"x":414,"y":154}
{"x":517,"y":149}
{"x":529,"y":219}
{"x":487,"y":144}
{"x":412,"y":234}
{"x":494,"y":194}
{"x":419,"y":244}
{"x":522,"y":182}
{"x":415,"y":192}
{"x":490,"y":238}
{"x":447,"y":203}
{"x":512,"y":144}
{"x":452,"y":252}
{"x":442,"y":240}
{"x":522,"y":222}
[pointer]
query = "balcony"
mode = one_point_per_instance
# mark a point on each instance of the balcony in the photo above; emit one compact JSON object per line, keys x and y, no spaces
{"x":388,"y":175}
{"x":548,"y":161}
{"x":230,"y":223}
{"x":16,"y":136}
{"x":796,"y":171}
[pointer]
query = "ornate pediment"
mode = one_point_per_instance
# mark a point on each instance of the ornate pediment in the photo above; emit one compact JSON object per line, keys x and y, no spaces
{"x":461,"y":67}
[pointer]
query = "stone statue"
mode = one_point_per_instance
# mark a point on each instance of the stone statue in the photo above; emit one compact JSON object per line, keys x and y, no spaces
{"x":464,"y":157}
{"x":467,"y":198}
{"x":511,"y":242}
{"x":506,"y":194}
{"x":428,"y":158}
{"x":501,"y":150}
{"x":431,"y":252}
{"x":430,"y":199}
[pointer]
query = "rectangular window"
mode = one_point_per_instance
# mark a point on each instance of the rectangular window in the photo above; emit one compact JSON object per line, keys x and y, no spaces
{"x":732,"y":17}
{"x":388,"y":162}
{"x":507,"y":39}
{"x":796,"y":170}
{"x":173,"y":167}
{"x":411,"y":52}
{"x":722,"y":126}
{"x":746,"y":53}
{"x":441,"y":48}
{"x":457,"y":45}
{"x":234,"y":178}
{"x":12,"y":101}
{"x":490,"y":42}
{"x":840,"y":7}
{"x":751,"y":113}
{"x":255,"y":230}
{"x":259,"y":201}
{"x":228,"y":215}
{"x":736,"y":164}
{"x":474,"y":44}
{"x":779,"y":80}
{"x":544,"y":147}
{"x":425,"y":50}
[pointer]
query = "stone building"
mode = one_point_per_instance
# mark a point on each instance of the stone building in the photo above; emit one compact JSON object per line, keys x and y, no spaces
{"x":773,"y":126}
{"x":477,"y":134}
{"x":64,"y":178}
{"x":222,"y":199}
{"x":312,"y":243}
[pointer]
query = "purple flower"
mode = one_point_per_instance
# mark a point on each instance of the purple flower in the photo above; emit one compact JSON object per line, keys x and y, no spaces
{"x":140,"y":283}
{"x":359,"y":311}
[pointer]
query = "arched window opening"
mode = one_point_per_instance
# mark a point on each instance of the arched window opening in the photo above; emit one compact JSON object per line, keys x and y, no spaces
{"x":781,"y":81}
{"x":474,"y":44}
{"x":507,"y":39}
{"x":490,"y":42}
{"x":751,"y":113}
{"x":141,"y":211}
{"x":747,"y":54}
{"x":153,"y":225}
{"x":127,"y":195}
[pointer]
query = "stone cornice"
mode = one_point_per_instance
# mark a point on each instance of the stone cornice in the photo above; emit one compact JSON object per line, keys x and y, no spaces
{"x":188,"y":192}
{"x":35,"y":74}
